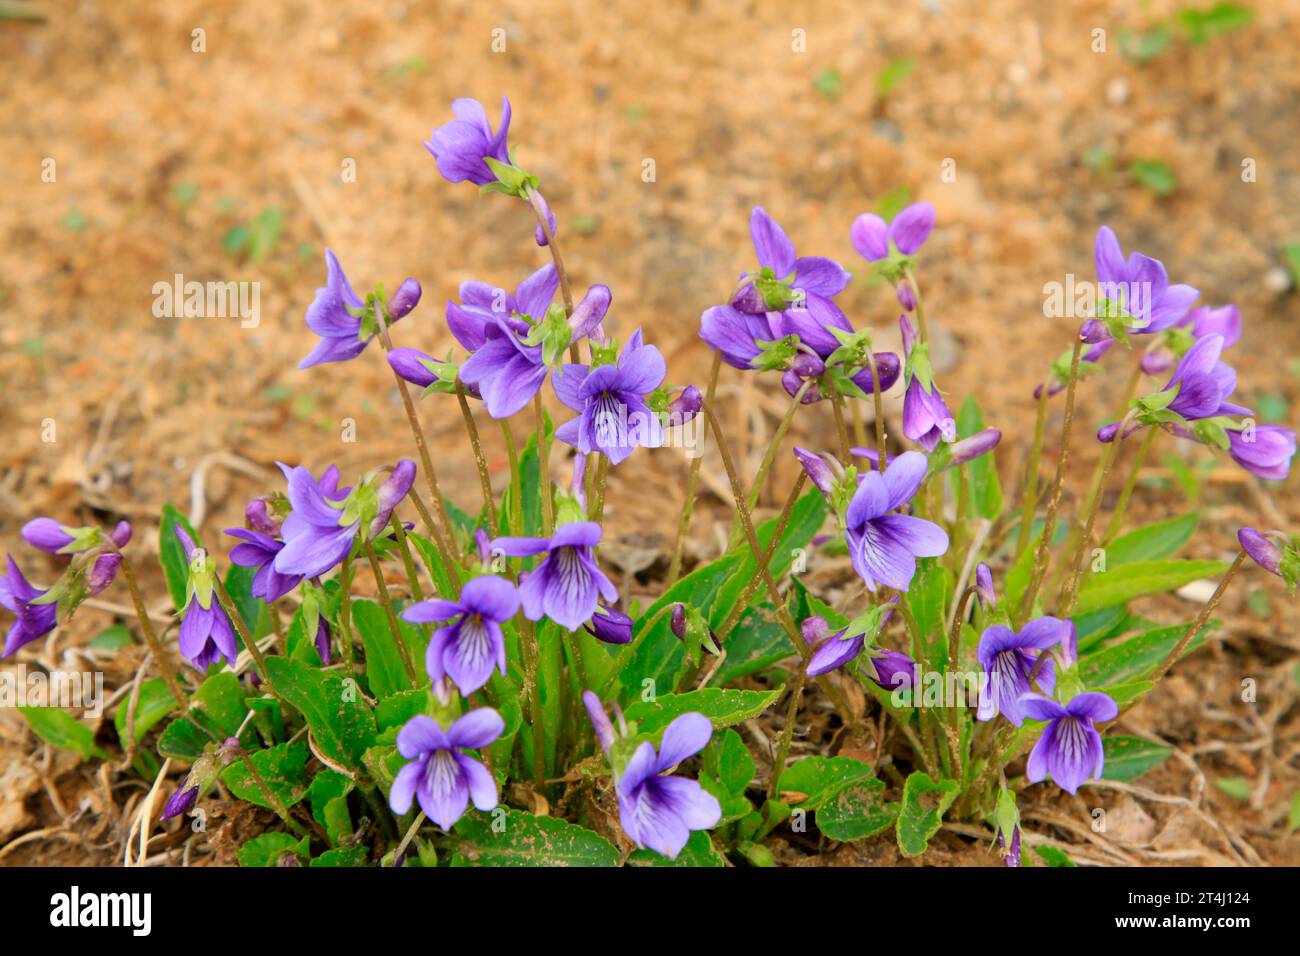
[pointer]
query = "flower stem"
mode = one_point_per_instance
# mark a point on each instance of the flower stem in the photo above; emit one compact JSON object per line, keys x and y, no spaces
{"x":544,"y":466}
{"x":1062,"y":462}
{"x":516,"y":516}
{"x":692,"y":481}
{"x":236,"y":619}
{"x":452,"y":567}
{"x":787,"y":732}
{"x":773,"y":446}
{"x":170,"y":676}
{"x":387,"y":601}
{"x":277,"y":804}
{"x":597,"y":510}
{"x":1071,"y":590}
{"x":1117,"y":519}
{"x":566,"y":290}
{"x":1029,"y":499}
{"x":484,"y":481}
{"x":920,"y":309}
{"x":1201,"y":618}
{"x":345,"y":614}
{"x":413,"y":577}
{"x":531,"y":649}
{"x":841,"y":432}
{"x":879,"y":402}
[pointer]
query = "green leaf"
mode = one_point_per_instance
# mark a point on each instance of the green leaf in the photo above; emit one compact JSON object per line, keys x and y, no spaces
{"x":60,"y":729}
{"x":283,"y":769}
{"x":698,"y":852}
{"x":1151,"y":542}
{"x":892,"y":74}
{"x":343,"y":856}
{"x":1202,"y":26}
{"x":155,"y":702}
{"x":1236,"y":787}
{"x":266,"y":849}
{"x":253,"y":610}
{"x":1128,"y":758}
{"x":385,"y":671}
{"x":983,"y":490}
{"x":1135,"y":658}
{"x":829,"y":82}
{"x":264,"y":234}
{"x":810,"y":782}
{"x":921,"y":814}
{"x":928,"y":597}
{"x":723,"y":707}
{"x":341,"y":724}
{"x":326,"y":788}
{"x":1053,"y":856}
{"x":521,"y":839}
{"x":112,"y":638}
{"x":171,"y":553}
{"x":1154,"y":175}
{"x":756,"y":643}
{"x":1125,"y":694}
{"x":396,"y":709}
{"x":806,"y":518}
{"x":1017,"y":579}
{"x":726,"y":761}
{"x":1096,"y":626}
{"x":858,"y":811}
{"x":1118,"y":585}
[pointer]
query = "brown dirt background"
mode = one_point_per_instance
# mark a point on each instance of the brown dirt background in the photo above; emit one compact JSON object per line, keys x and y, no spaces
{"x":712,"y":92}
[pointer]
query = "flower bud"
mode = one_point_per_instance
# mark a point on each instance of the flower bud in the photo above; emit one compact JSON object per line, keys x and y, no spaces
{"x":818,"y":471}
{"x":686,"y":405}
{"x":590,"y":312}
{"x":541,"y":205}
{"x":968,"y":449}
{"x":406,"y":298}
{"x":103,"y":571}
{"x":180,"y":802}
{"x":610,"y":626}
{"x":121,"y":534}
{"x":807,"y":365}
{"x":887,"y":366}
{"x":906,"y":298}
{"x":748,"y":299}
{"x":408,"y":363}
{"x":984,"y":586}
{"x":678,"y":621}
{"x":47,"y":535}
{"x":259,"y":516}
{"x":1261,"y":549}
{"x":791,"y":382}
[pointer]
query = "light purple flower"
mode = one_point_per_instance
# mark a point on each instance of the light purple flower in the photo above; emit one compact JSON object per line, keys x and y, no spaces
{"x":908,"y":230}
{"x":685,"y":406}
{"x":34,"y":620}
{"x":660,"y":811}
{"x":207,"y":636}
{"x":1264,"y":450}
{"x":1070,"y":748}
{"x":600,"y":721}
{"x":410,"y":364}
{"x":984,"y":586}
{"x":926,"y":417}
{"x":335,"y":315}
{"x":440,"y":775}
{"x":884,"y":546}
{"x":477,"y":316}
{"x":818,"y":470}
{"x":315,"y":535}
{"x":469,"y":647}
{"x":47,"y":535}
{"x":567,"y":584}
{"x":1140,"y":286}
{"x":613,"y":416}
{"x":1014,"y":663}
{"x":1263,"y":550}
{"x":461,"y":145}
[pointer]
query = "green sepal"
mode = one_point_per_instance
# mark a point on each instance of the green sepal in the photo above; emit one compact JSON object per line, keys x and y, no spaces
{"x":776,"y":354}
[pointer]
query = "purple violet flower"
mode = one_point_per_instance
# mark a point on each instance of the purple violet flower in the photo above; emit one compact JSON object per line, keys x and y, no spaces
{"x":440,"y":775}
{"x":1139,"y":286}
{"x":926,"y":417}
{"x":473,"y":643}
{"x":1262,"y":549}
{"x":180,"y":802}
{"x":565,"y":587}
{"x":323,"y":525}
{"x":336,"y":316}
{"x":1070,"y":748}
{"x":102,"y":571}
{"x":206,"y":636}
{"x":47,"y":535}
{"x":613,"y":416}
{"x":1014,"y":663}
{"x":259,"y":516}
{"x":410,"y":364}
{"x":660,"y":811}
{"x":1204,"y":383}
{"x":460,"y":146}
{"x":34,"y":620}
{"x":883,"y":545}
{"x":610,"y":626}
{"x":872,"y":236}
{"x":258,"y":550}
{"x":1264,"y":450}
{"x":984,"y":586}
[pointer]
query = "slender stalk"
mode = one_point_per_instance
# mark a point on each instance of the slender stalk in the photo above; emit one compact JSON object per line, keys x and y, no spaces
{"x":531,"y":650}
{"x":1117,"y":519}
{"x":484,"y":481}
{"x":1071,"y":590}
{"x":236,"y":619}
{"x":1201,"y":618}
{"x":597,"y":510}
{"x":413,"y":577}
{"x":534,"y":200}
{"x":787,"y":732}
{"x":410,"y":835}
{"x":879,"y":402}
{"x":345,"y":614}
{"x":544,"y":469}
{"x":840,"y":431}
{"x":165,"y":664}
{"x":1029,"y":500}
{"x":773,"y":446}
{"x":430,"y":475}
{"x":920,"y":308}
{"x":516,"y":517}
{"x":1062,"y":462}
{"x":387,"y":601}
{"x":692,"y":481}
{"x":452,"y":567}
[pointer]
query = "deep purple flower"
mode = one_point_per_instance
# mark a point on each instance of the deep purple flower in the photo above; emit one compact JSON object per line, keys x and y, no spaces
{"x":319,"y":533}
{"x":1263,"y":550}
{"x":475,"y":319}
{"x":1070,"y":748}
{"x":1204,"y":383}
{"x":461,"y":145}
{"x":258,"y":550}
{"x":565,"y":587}
{"x":789,"y":295}
{"x":1010,"y":854}
{"x":613,"y":416}
{"x":1140,"y":286}
{"x":660,"y":811}
{"x":1263,"y":450}
{"x":335,"y":315}
{"x":410,"y":364}
{"x":908,"y":230}
{"x":469,"y":647}
{"x":404,"y":300}
{"x":926,"y":417}
{"x":207,"y":636}
{"x":180,"y":802}
{"x":1014,"y":663}
{"x":610,"y":626}
{"x":685,"y":406}
{"x":882,"y":545}
{"x":440,"y":775}
{"x":323,"y":639}
{"x":34,"y":620}
{"x":47,"y":535}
